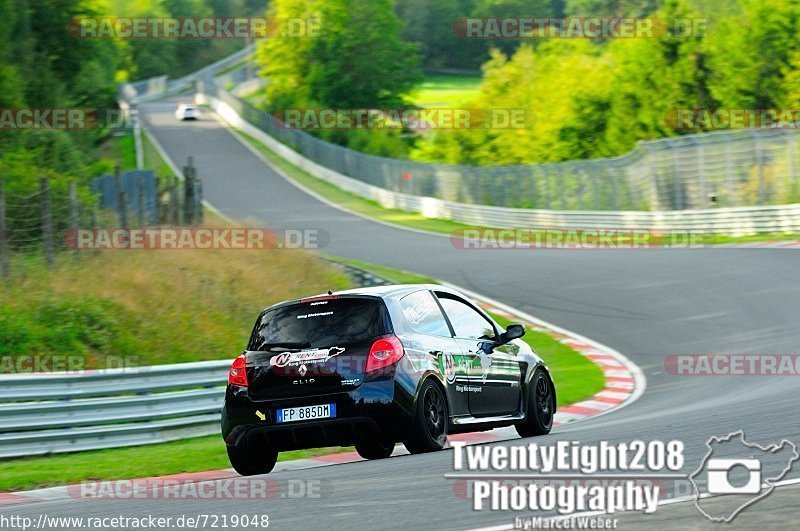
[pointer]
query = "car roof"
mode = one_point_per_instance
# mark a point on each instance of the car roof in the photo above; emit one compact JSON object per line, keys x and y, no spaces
{"x":390,"y":291}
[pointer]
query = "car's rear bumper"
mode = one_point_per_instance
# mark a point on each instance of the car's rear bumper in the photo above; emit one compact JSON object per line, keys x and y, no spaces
{"x":377,"y":408}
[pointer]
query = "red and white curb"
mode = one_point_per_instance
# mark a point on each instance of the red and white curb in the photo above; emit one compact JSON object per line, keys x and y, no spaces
{"x":763,"y":245}
{"x":625,"y":382}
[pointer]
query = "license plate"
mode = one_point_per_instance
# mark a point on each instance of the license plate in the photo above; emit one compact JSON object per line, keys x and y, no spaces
{"x":294,"y":414}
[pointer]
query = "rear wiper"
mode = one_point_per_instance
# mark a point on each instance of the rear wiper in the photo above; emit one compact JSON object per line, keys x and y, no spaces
{"x":286,"y":345}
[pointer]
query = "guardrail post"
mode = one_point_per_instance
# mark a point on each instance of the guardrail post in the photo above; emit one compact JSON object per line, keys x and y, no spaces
{"x":3,"y":234}
{"x":47,"y":223}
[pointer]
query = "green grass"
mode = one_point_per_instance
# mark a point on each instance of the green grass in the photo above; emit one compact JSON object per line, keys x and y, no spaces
{"x":189,"y":455}
{"x":122,"y":150}
{"x":446,"y":91}
{"x":150,"y":307}
{"x":154,"y":161}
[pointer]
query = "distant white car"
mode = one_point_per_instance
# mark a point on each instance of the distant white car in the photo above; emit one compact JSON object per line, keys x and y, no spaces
{"x":187,"y":111}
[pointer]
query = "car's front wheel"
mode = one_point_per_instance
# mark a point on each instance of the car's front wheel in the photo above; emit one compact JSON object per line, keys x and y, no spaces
{"x":541,"y":406}
{"x":248,"y":461}
{"x":429,"y":428}
{"x":374,"y":448}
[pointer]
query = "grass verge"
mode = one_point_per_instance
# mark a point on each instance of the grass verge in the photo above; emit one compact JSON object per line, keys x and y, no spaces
{"x":190,"y":455}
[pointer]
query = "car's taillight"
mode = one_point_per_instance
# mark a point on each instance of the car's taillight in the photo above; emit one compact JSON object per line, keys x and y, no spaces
{"x":384,"y":352}
{"x":238,"y":373}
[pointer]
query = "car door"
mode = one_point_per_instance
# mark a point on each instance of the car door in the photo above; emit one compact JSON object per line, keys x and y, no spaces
{"x":432,"y":338}
{"x":495,"y":371}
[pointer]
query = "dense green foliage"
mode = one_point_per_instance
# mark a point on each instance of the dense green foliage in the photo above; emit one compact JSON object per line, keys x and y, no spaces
{"x":598,"y":98}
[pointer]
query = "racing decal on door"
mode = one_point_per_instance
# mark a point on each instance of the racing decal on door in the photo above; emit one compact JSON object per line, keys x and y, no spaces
{"x":292,"y":359}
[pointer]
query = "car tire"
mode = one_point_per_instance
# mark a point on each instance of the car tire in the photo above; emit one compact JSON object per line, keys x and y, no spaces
{"x":541,"y":406}
{"x":250,"y":461}
{"x":431,"y":416}
{"x":374,"y":448}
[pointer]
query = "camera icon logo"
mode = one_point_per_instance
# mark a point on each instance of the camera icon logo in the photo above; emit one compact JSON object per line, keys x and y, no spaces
{"x":719,"y":472}
{"x":740,"y":471}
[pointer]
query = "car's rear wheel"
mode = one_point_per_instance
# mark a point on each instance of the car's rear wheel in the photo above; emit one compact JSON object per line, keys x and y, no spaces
{"x":374,"y":448}
{"x":541,"y":406}
{"x":429,"y":428}
{"x":250,"y":461}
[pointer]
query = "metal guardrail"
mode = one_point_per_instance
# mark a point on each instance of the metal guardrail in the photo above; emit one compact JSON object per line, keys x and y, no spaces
{"x":65,"y":412}
{"x":152,"y":89}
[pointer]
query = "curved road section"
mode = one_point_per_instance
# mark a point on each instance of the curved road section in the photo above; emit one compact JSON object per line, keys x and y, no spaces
{"x":648,"y":304}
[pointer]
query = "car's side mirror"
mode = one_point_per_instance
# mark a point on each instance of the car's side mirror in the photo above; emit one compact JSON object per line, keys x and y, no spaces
{"x":513,"y":331}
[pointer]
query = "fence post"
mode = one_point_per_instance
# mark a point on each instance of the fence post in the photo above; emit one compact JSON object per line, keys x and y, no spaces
{"x":140,"y":200}
{"x":74,"y":218}
{"x":760,"y":162}
{"x":732,"y":202}
{"x":199,"y":195}
{"x":174,"y":207}
{"x":188,"y":192}
{"x":701,"y":172}
{"x":123,"y":210}
{"x":3,"y":234}
{"x":47,"y":223}
{"x":122,"y":204}
{"x":792,"y":143}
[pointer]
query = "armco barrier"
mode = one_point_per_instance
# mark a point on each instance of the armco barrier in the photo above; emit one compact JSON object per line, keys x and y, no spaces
{"x":734,"y":221}
{"x":64,"y":412}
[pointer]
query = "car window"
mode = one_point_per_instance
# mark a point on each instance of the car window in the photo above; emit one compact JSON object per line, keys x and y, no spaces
{"x":423,"y":314}
{"x":466,"y":322}
{"x":322,"y":323}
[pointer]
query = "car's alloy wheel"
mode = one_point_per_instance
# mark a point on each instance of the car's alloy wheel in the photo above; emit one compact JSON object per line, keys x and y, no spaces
{"x":541,"y":406}
{"x":429,"y":430}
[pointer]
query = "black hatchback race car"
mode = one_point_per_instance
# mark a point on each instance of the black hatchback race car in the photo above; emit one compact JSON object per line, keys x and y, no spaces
{"x":376,"y":366}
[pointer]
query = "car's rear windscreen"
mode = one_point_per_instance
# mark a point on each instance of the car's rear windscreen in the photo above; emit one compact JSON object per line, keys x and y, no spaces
{"x":322,"y":323}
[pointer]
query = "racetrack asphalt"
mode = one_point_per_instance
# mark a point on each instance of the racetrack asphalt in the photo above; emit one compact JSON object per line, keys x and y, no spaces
{"x":647,"y":304}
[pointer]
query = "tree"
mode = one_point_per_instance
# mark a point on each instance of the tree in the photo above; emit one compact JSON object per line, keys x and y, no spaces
{"x":358,"y":59}
{"x":750,"y":54}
